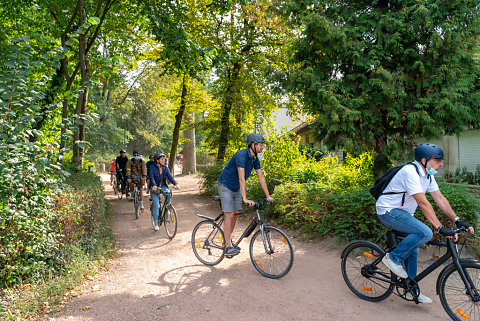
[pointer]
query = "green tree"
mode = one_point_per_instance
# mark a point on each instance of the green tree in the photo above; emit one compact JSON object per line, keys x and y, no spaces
{"x":378,"y":73}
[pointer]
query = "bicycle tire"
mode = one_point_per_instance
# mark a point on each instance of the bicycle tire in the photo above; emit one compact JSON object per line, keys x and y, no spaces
{"x":208,"y":242}
{"x":114,"y":187}
{"x":120,"y":191}
{"x":151,"y":213}
{"x":136,"y":205}
{"x":170,"y":221}
{"x":278,"y":261}
{"x":361,"y":265}
{"x":453,"y":293}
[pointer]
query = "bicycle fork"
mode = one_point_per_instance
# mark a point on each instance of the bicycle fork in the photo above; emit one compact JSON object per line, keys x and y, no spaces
{"x":467,"y":280}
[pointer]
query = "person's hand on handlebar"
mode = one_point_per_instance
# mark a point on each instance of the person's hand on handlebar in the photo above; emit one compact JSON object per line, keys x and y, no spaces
{"x":269,"y":199}
{"x":448,"y":232}
{"x":176,"y":187}
{"x":154,"y":188}
{"x":460,"y":223}
{"x":249,"y":202}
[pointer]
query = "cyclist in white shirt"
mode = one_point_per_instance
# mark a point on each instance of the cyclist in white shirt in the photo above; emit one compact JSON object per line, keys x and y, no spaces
{"x":397,"y":205}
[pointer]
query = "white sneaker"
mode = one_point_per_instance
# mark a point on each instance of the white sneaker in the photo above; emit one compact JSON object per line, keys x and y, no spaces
{"x":394,"y":267}
{"x":156,"y":228}
{"x":142,"y":208}
{"x":421,"y":298}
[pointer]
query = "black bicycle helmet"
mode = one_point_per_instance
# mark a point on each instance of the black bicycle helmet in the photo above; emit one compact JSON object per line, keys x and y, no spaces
{"x":159,"y":155}
{"x":123,"y":151}
{"x":255,"y":138}
{"x":428,"y":151}
{"x":136,"y":151}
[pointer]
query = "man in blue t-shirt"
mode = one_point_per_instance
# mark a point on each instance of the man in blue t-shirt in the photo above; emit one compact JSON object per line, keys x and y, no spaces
{"x":231,"y":185}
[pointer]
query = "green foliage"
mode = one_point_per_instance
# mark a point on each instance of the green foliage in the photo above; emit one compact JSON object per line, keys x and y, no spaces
{"x":210,"y":176}
{"x":39,"y":218}
{"x":378,"y":74}
{"x":29,"y":170}
{"x":83,"y":218}
{"x":331,"y":198}
{"x":462,"y":175}
{"x":312,"y":151}
{"x":463,"y":203}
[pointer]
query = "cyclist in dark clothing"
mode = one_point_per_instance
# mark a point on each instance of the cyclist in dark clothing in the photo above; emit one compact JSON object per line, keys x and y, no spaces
{"x":121,"y":165}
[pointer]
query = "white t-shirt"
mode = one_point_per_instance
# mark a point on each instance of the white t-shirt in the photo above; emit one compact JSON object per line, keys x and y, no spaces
{"x":406,"y":180}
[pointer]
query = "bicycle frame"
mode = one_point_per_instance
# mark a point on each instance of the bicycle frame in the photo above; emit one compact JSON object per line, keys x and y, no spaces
{"x":251,"y":227}
{"x":452,"y":252}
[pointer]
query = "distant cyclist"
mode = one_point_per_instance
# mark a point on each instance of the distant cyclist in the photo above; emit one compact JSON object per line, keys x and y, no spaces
{"x":150,"y":162}
{"x":231,"y":185}
{"x":136,"y":167}
{"x":397,"y":205}
{"x":113,"y":171}
{"x":159,"y":175}
{"x":121,"y":165}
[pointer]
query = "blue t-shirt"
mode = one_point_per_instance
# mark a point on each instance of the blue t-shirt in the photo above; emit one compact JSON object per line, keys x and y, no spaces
{"x":229,"y":175}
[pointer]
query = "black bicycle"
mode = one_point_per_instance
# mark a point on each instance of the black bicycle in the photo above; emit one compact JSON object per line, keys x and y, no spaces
{"x":457,"y":286}
{"x":271,"y":251}
{"x":122,"y":187}
{"x":167,"y":215}
{"x":136,"y":194}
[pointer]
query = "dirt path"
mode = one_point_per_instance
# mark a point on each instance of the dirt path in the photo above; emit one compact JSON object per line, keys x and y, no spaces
{"x":158,"y":279}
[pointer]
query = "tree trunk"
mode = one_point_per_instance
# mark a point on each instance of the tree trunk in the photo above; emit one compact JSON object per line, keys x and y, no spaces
{"x":227,"y":108}
{"x":380,"y":162}
{"x":79,"y":151}
{"x":189,"y":157}
{"x":178,"y":123}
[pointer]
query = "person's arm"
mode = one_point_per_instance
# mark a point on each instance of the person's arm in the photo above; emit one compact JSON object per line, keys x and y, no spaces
{"x":170,"y":177}
{"x":144,"y":169}
{"x":263,"y":185}
{"x":243,"y":190}
{"x":445,"y":206}
{"x":427,"y":210}
{"x":128,"y":168}
{"x":151,"y":175}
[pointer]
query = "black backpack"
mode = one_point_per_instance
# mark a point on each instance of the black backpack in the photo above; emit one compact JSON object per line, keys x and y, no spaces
{"x":382,"y":182}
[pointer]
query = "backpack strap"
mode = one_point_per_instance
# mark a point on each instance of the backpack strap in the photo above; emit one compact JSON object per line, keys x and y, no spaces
{"x":403,"y":196}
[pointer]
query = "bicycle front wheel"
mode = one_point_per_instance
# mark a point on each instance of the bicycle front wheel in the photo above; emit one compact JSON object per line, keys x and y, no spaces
{"x":453,"y":293}
{"x":272,"y":256}
{"x":120,"y":191}
{"x":114,"y":187}
{"x":136,"y":204}
{"x":364,"y":273}
{"x":208,"y":243}
{"x":170,"y":221}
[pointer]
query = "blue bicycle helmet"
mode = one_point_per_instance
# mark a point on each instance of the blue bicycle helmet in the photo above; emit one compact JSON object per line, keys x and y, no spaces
{"x":428,"y":151}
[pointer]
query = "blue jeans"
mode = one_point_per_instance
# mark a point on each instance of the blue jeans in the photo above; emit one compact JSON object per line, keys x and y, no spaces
{"x":416,"y":234}
{"x":156,"y":201}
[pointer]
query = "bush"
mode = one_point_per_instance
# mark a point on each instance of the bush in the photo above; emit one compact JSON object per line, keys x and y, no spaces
{"x":83,"y":237}
{"x":335,"y":200}
{"x":209,"y":178}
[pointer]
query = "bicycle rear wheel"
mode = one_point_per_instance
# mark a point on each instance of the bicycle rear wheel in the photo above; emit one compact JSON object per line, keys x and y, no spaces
{"x":170,"y":221}
{"x":273,"y":258}
{"x":208,"y":243}
{"x":364,"y":273}
{"x":454,"y":296}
